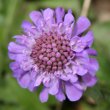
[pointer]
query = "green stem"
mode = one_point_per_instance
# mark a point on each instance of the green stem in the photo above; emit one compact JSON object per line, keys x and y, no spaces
{"x":59,"y":106}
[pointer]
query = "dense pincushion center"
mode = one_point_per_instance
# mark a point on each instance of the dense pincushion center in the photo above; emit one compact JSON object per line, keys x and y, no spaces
{"x":51,"y":53}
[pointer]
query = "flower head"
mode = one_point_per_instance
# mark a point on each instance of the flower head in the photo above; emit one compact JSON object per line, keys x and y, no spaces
{"x":54,"y":52}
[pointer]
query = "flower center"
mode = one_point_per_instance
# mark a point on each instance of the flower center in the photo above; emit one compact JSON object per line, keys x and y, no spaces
{"x":51,"y":53}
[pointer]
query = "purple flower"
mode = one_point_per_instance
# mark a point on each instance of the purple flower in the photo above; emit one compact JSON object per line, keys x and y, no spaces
{"x":54,"y":52}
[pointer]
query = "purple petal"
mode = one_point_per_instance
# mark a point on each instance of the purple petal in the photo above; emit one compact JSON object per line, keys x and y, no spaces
{"x":59,"y":14}
{"x":17,"y":71}
{"x":91,"y":51}
{"x":28,"y":28}
{"x":14,"y":65}
{"x":27,"y":64}
{"x":82,"y":55}
{"x":31,"y":86}
{"x":24,"y":80}
{"x":79,"y":47}
{"x":80,"y":43}
{"x":38,"y":80}
{"x":69,"y":30}
{"x":33,"y":75}
{"x":44,"y":95}
{"x":82,"y":24}
{"x":15,"y":48}
{"x":17,"y":74}
{"x":74,"y":40}
{"x":88,"y":38}
{"x":73,"y":78}
{"x":94,"y":64}
{"x":81,"y":70}
{"x":72,"y":92}
{"x":76,"y":44}
{"x":60,"y":95}
{"x":74,"y":69}
{"x":84,"y":59}
{"x":25,"y":40}
{"x":64,"y":77}
{"x":80,"y":86}
{"x":35,"y":16}
{"x":61,"y":28}
{"x":61,"y":75}
{"x":70,"y":11}
{"x":48,"y":15}
{"x":68,"y":70}
{"x":89,"y":80}
{"x":54,"y":87}
{"x":12,"y":56}
{"x":21,"y":39}
{"x":38,"y":20}
{"x":17,"y":57}
{"x":26,"y":25}
{"x":46,"y":81}
{"x":69,"y":19}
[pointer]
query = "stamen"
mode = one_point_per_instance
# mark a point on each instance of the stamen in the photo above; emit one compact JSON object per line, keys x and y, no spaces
{"x":51,"y":53}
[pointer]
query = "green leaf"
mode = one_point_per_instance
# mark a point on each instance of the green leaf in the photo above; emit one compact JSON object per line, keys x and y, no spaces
{"x":102,"y":33}
{"x":25,"y":99}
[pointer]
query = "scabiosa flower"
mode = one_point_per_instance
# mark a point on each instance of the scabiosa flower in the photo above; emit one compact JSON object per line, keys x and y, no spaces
{"x":53,"y":51}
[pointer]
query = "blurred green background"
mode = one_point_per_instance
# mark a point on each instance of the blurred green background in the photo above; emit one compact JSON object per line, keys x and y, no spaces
{"x":13,"y":97}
